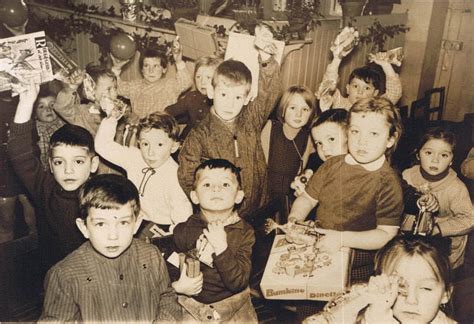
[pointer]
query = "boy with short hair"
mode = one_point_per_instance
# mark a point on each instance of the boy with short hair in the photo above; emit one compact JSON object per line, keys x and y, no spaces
{"x":232,"y":129}
{"x":72,"y":159}
{"x":150,"y":166}
{"x":112,"y":277}
{"x":364,"y":82}
{"x":223,"y":243}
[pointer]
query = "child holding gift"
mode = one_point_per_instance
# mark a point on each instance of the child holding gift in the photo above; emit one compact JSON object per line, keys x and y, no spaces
{"x":364,"y":82}
{"x":155,"y":91}
{"x":223,"y":242}
{"x":359,"y":195}
{"x":232,"y":129}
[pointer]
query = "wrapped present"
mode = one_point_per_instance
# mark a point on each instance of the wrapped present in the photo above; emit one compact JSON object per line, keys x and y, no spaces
{"x":196,"y":40}
{"x":301,"y":271}
{"x":345,"y":41}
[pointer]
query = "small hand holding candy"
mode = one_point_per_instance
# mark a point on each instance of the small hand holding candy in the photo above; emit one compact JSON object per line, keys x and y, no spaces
{"x":216,"y":236}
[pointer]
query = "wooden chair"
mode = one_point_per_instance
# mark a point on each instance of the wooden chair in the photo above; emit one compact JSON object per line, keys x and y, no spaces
{"x":418,"y":108}
{"x":437,"y":107}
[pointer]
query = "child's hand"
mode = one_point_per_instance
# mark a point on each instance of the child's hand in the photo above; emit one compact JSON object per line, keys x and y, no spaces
{"x":381,"y":295}
{"x":117,"y":64}
{"x":28,"y":92}
{"x":177,"y":50}
{"x":429,"y":201}
{"x":299,"y":183}
{"x":75,"y":79}
{"x":108,"y":106}
{"x":264,"y":42}
{"x":330,"y":242}
{"x":216,"y":236}
{"x":186,"y":285}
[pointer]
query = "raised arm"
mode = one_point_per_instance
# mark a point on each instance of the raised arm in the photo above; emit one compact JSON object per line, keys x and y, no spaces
{"x":393,"y":85}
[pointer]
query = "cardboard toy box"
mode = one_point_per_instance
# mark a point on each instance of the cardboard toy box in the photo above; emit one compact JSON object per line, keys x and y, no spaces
{"x":196,"y":40}
{"x":302,"y":272}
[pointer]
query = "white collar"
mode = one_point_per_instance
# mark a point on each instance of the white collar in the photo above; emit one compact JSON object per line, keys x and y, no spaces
{"x":371,"y":166}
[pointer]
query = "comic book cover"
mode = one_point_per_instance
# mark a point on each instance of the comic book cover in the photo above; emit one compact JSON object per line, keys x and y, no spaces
{"x":22,"y":58}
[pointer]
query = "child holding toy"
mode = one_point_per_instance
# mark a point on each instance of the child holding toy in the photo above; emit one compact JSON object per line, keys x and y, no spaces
{"x":364,"y":82}
{"x":455,"y":217}
{"x":222,"y":241}
{"x":359,"y":195}
{"x":155,"y":91}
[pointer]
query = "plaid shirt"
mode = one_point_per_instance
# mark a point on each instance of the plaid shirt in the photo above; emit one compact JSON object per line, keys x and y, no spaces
{"x":45,"y":130}
{"x":150,"y":97}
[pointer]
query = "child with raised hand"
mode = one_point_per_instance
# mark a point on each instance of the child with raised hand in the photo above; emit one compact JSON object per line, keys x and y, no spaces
{"x":364,"y":82}
{"x":232,"y":129}
{"x":412,"y":285}
{"x":455,"y":217}
{"x":47,"y":121}
{"x":194,"y":105}
{"x":149,"y":166}
{"x":155,"y":91}
{"x":223,"y":242}
{"x":112,"y":277}
{"x":287,"y":138}
{"x":358,"y":194}
{"x":329,"y":134}
{"x":72,"y":160}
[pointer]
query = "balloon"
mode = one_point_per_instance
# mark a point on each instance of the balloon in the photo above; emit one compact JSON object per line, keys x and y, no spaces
{"x":13,"y":13}
{"x":122,"y":46}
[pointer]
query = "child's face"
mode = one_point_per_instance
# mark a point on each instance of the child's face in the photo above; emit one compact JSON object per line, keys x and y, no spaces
{"x":297,"y":112}
{"x":216,"y":190}
{"x":435,"y":156}
{"x":368,"y":137}
{"x":330,"y":139}
{"x":44,"y":109}
{"x":152,"y":70}
{"x":72,"y":165}
{"x":359,"y":89}
{"x":424,"y":292}
{"x":203,"y":78}
{"x":110,"y":231}
{"x":105,"y":87}
{"x":229,"y":98}
{"x":156,"y":146}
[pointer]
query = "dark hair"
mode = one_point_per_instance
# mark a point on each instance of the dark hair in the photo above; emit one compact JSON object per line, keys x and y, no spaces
{"x":234,"y":71}
{"x":218,"y":164}
{"x":205,"y":61}
{"x":430,"y":249}
{"x":44,"y":92}
{"x":160,"y":120}
{"x":438,"y":133}
{"x":304,"y":92}
{"x":72,"y":135}
{"x":97,"y":71}
{"x":153,"y":53}
{"x":337,"y":115}
{"x":369,"y":75}
{"x":108,"y":191}
{"x":384,"y":107}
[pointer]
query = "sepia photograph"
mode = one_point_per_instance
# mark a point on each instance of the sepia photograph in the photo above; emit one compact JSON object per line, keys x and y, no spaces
{"x":237,"y":161}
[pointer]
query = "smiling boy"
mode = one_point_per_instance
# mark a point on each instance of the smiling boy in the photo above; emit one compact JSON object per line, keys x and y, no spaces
{"x":112,"y":277}
{"x":150,"y":167}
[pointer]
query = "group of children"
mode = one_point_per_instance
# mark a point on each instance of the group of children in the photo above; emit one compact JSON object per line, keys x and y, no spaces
{"x":233,"y":165}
